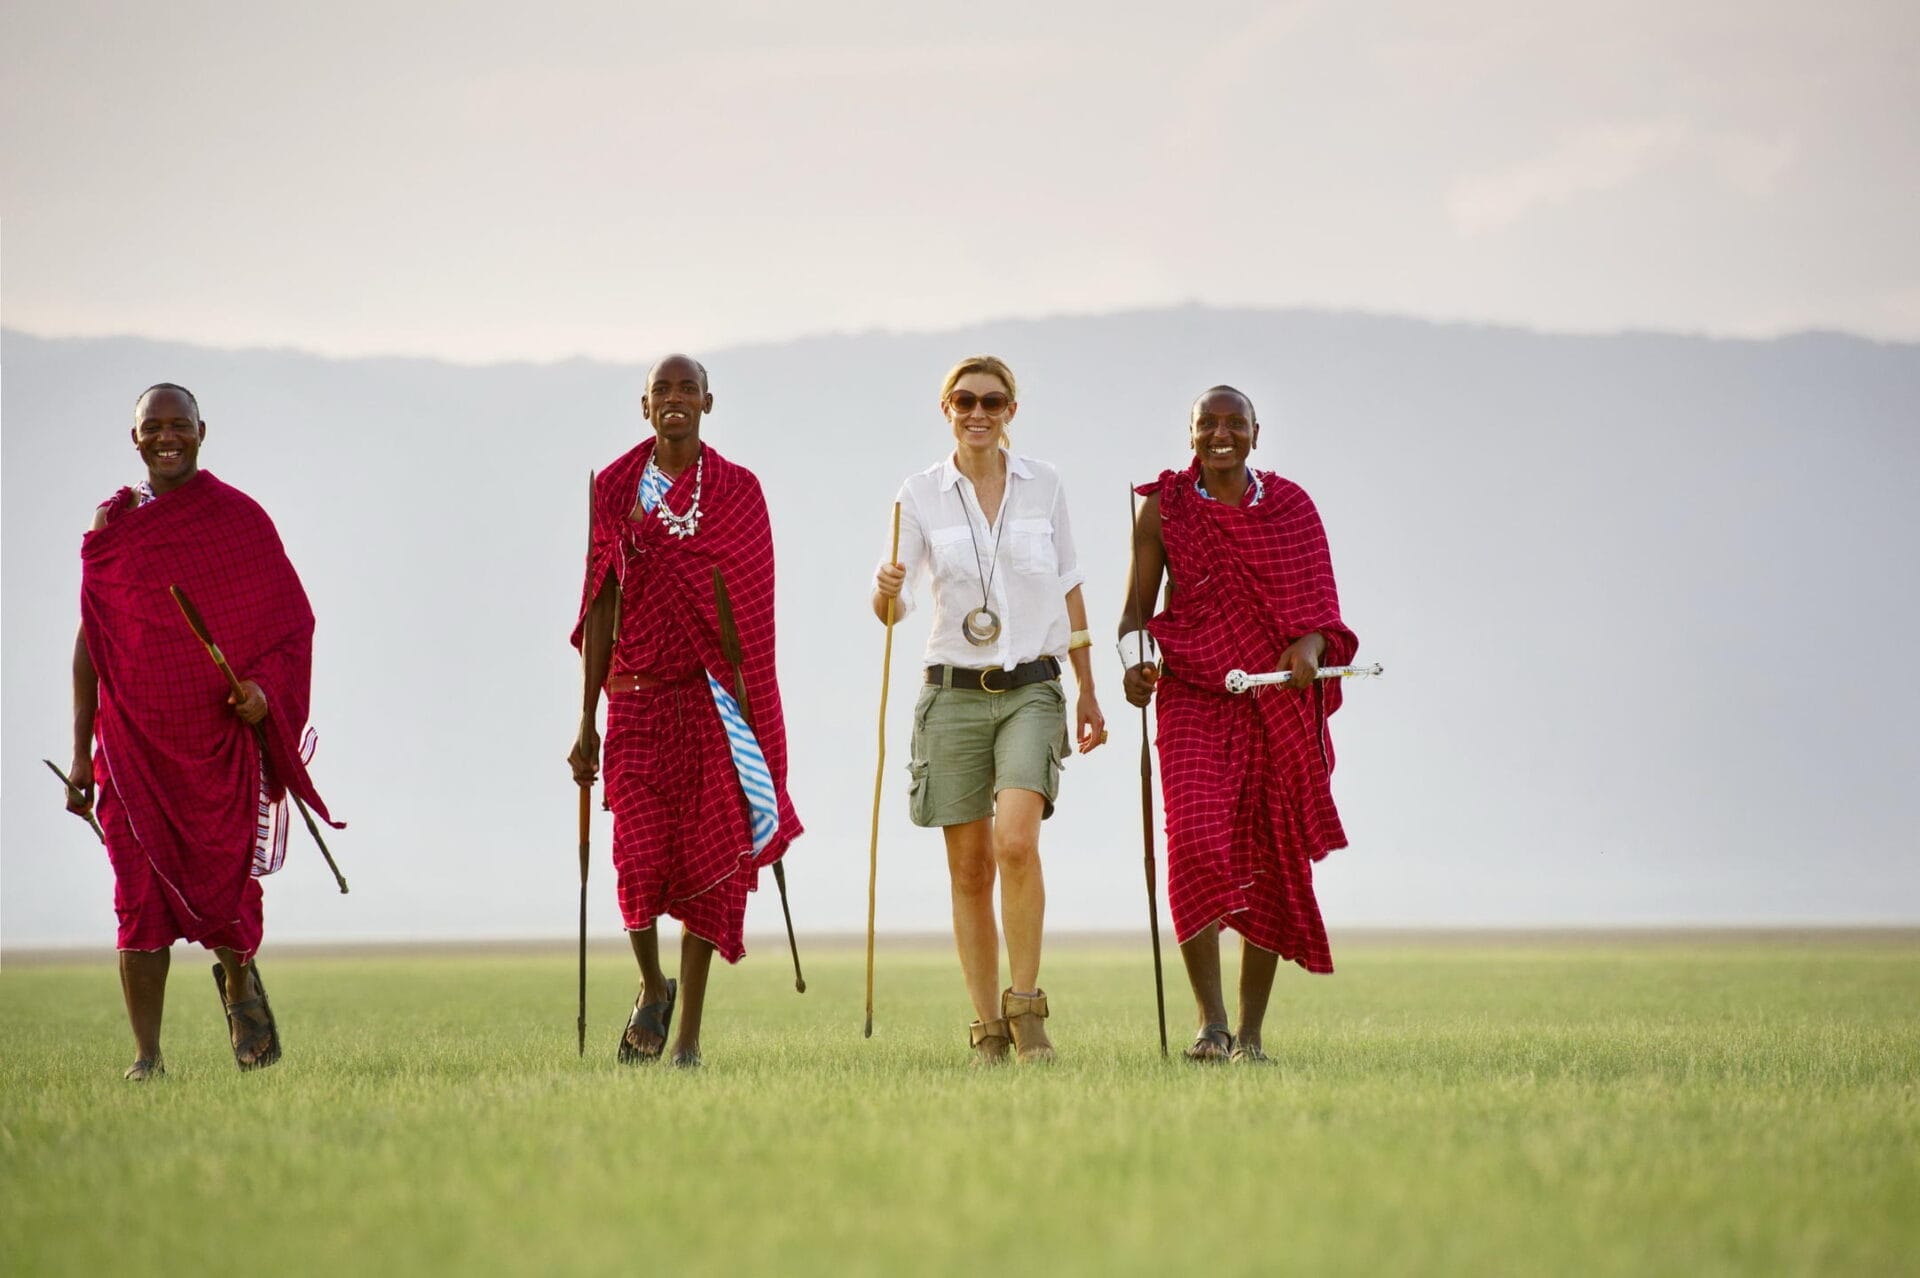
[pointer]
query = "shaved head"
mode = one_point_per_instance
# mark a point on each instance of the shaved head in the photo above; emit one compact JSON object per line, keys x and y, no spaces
{"x":192,"y":401}
{"x":699,"y":368}
{"x":1241,"y":395}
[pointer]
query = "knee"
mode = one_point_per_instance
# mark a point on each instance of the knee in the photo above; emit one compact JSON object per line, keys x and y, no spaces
{"x":972,"y":876}
{"x":1017,"y":855}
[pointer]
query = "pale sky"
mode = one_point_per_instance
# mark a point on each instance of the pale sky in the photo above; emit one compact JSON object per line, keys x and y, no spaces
{"x":483,"y":182}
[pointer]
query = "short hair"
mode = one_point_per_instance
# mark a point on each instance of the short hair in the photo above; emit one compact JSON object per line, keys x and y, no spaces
{"x":992,"y":366}
{"x":1223,"y":388}
{"x":168,"y":386}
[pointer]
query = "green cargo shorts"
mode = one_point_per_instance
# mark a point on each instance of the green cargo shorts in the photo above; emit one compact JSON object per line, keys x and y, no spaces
{"x":969,"y":745}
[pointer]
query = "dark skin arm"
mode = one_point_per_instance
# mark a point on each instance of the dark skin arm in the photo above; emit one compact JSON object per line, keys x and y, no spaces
{"x":86,"y":706}
{"x":596,"y":653}
{"x":1302,"y":656}
{"x":1143,"y":587}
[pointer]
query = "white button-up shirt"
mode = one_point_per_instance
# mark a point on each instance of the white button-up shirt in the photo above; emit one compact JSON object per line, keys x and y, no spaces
{"x":943,"y":532}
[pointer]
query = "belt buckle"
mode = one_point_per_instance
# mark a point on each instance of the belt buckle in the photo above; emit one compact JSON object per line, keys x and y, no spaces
{"x":989,"y":673}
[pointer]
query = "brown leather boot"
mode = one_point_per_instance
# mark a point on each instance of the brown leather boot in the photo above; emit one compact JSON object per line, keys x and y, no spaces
{"x":1026,"y":1016}
{"x":990,"y":1041}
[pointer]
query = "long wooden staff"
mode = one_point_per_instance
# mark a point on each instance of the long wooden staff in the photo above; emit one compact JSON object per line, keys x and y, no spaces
{"x":730,"y":648}
{"x":199,"y":626}
{"x":1146,"y":791}
{"x":79,"y":796}
{"x":879,"y":774}
{"x":586,"y":827}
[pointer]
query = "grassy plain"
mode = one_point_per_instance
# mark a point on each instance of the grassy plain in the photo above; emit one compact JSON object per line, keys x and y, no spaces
{"x":1609,"y":1106}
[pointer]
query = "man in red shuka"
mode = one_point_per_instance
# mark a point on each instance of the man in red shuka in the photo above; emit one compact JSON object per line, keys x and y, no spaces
{"x":697,"y":783}
{"x":193,"y":806}
{"x":1244,"y":778}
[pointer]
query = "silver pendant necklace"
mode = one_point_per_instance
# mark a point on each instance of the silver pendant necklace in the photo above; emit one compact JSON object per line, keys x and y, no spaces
{"x":981,"y":627}
{"x":688,"y":524}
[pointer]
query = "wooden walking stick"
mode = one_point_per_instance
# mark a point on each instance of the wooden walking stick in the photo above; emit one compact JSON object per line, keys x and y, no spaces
{"x":879,"y":774}
{"x":586,"y":827}
{"x":1146,"y":796}
{"x":199,"y":626}
{"x":730,"y":648}
{"x":79,"y":796}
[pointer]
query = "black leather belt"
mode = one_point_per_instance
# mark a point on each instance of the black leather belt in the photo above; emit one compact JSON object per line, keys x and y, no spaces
{"x":995,"y":679}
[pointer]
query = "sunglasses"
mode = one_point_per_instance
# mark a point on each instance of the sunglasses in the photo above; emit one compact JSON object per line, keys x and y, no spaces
{"x":993,"y":403}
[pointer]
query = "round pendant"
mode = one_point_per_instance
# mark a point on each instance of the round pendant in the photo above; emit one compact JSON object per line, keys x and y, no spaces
{"x":981,"y":627}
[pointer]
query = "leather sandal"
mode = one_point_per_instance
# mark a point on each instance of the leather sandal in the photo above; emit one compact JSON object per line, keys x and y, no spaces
{"x":654,"y":1018}
{"x":990,"y":1041}
{"x":261,"y":1042}
{"x":1243,"y":1054}
{"x":145,"y":1069}
{"x":1212,"y":1045}
{"x":1026,"y":1016}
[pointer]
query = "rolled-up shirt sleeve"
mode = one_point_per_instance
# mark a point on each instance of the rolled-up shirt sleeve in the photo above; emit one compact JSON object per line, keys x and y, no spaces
{"x":913,"y":555}
{"x":1071,"y":574}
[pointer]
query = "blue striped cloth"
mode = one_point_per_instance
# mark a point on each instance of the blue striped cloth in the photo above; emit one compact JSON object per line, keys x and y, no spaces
{"x":756,"y":780}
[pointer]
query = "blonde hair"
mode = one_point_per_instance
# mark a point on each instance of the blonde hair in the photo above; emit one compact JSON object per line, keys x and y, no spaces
{"x":992,"y":366}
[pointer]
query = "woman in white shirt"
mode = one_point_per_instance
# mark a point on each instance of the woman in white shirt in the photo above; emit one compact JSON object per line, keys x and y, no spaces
{"x":989,"y":731}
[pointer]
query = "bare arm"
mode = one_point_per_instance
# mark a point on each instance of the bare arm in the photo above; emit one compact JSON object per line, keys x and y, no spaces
{"x":86,"y":706}
{"x":1143,"y":587}
{"x":1091,"y":725}
{"x":596,"y":659}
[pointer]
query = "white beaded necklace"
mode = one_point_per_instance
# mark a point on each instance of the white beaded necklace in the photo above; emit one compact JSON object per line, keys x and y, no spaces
{"x":688,"y":524}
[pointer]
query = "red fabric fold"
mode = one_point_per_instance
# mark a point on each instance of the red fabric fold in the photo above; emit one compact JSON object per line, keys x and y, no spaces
{"x":669,"y":622}
{"x":1246,"y":779}
{"x":184,"y":768}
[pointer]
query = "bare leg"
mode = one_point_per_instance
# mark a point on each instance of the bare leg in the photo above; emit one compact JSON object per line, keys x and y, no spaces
{"x":970,"y":867}
{"x":653,"y":982}
{"x":143,"y":983}
{"x":1202,"y":957}
{"x":696,"y":957}
{"x":1023,"y":892}
{"x":240,"y":985}
{"x":1257,"y":967}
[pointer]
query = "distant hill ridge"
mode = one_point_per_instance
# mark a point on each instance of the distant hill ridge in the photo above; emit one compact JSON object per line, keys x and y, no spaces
{"x":1632,"y":590}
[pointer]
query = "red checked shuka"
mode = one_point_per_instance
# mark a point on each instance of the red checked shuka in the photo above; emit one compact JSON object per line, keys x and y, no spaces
{"x":1245,"y":778}
{"x":682,"y":841}
{"x":191,"y":817}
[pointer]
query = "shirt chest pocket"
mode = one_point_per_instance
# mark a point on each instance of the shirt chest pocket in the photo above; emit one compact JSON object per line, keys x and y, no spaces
{"x":1032,"y":546}
{"x":952,"y":552}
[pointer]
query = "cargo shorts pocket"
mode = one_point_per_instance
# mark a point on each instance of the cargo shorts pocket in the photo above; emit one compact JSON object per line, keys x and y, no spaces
{"x":919,"y":792}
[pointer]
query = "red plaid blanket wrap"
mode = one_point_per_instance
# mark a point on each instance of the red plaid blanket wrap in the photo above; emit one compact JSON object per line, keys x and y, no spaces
{"x":1244,"y":778}
{"x":682,"y":844}
{"x":183,"y":769}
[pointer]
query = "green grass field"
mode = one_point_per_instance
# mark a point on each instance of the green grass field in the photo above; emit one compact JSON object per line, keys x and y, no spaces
{"x":1613,"y":1107}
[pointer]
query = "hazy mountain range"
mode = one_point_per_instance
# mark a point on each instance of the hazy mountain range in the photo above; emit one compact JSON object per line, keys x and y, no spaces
{"x":1642,"y":600}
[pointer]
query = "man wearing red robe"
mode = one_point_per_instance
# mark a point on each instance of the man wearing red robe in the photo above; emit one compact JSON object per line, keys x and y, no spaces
{"x":697,"y":782}
{"x":1244,"y":777}
{"x":191,"y":778}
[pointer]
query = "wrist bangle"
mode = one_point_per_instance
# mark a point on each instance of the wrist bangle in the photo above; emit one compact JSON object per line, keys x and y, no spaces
{"x":1079,"y":639}
{"x":1133,"y":648}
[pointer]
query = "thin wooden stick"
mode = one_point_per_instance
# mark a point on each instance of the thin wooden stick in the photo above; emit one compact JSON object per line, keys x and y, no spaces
{"x":1146,"y":788}
{"x":879,"y":775}
{"x":730,"y":649}
{"x":199,"y":627}
{"x":79,"y":796}
{"x":586,"y":826}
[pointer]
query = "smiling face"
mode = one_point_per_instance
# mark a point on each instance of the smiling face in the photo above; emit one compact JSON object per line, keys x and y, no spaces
{"x":676,"y":399}
{"x":167,"y":431}
{"x":1224,"y":431}
{"x":975,"y":427}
